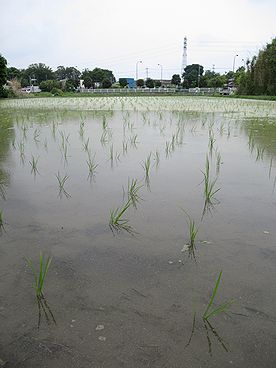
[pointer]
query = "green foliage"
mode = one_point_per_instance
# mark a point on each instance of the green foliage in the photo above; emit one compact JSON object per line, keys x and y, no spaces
{"x":69,"y":86}
{"x":56,"y":91}
{"x":212,"y":79}
{"x":192,"y":74}
{"x":70,"y":73}
{"x":13,"y":73}
{"x":149,"y":83}
{"x":106,"y":83}
{"x":116,"y":220}
{"x":260,"y":76}
{"x":157,"y":83}
{"x":48,"y":85}
{"x":123,"y":82}
{"x":40,"y":276}
{"x":209,"y":312}
{"x":140,"y":83}
{"x":3,"y":75}
{"x":40,"y":72}
{"x":176,"y":80}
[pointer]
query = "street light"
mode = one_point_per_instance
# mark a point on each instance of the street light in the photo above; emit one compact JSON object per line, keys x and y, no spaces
{"x":234,"y":63}
{"x":243,"y":63}
{"x":161,"y":71}
{"x":139,"y":61}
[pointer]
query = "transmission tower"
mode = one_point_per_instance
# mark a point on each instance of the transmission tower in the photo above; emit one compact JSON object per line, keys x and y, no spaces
{"x":184,"y":56}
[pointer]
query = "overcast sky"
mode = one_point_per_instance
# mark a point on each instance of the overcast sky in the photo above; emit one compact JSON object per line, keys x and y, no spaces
{"x":115,"y":34}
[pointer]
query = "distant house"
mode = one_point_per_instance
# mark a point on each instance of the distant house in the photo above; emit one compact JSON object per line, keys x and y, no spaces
{"x":31,"y":89}
{"x":131,"y":83}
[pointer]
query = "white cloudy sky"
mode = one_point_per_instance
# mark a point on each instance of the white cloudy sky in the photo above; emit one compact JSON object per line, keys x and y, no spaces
{"x":115,"y":34}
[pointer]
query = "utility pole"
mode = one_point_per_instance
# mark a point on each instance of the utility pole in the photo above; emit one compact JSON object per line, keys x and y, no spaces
{"x":161,"y":71}
{"x":147,"y":72}
{"x":213,"y":68}
{"x":234,"y":63}
{"x":184,"y":56}
{"x":198,"y":76}
{"x":138,"y":62}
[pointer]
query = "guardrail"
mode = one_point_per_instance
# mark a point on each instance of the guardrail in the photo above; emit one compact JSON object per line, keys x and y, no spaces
{"x":151,"y":90}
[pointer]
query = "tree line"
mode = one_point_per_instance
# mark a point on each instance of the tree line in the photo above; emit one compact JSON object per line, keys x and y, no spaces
{"x":257,"y":78}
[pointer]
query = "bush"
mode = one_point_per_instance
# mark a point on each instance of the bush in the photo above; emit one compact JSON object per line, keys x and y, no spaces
{"x":106,"y":83}
{"x":56,"y":92}
{"x":48,"y":85}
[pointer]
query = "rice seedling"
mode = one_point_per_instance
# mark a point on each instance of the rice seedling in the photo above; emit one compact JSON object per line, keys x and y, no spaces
{"x":21,"y":149}
{"x":193,"y":231}
{"x":168,"y":148}
{"x":104,"y":137}
{"x":125,"y":148}
{"x":81,"y":130}
{"x":111,"y":154}
{"x":146,"y":165}
{"x":36,"y":135}
{"x":116,"y":220}
{"x":61,"y":182}
{"x":33,"y":164}
{"x":210,"y":311}
{"x":54,"y":129}
{"x":104,"y":123}
{"x":91,"y":164}
{"x":209,"y":184}
{"x":40,"y":275}
{"x":39,"y":278}
{"x":211,"y":140}
{"x":260,"y":153}
{"x":86,"y":145}
{"x":156,"y":158}
{"x":134,"y":140}
{"x":133,"y":189}
{"x":218,"y":163}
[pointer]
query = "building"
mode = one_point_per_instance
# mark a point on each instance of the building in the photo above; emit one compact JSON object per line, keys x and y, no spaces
{"x":131,"y":83}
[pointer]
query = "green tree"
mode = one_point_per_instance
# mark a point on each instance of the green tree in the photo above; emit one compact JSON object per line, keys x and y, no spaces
{"x":98,"y":75}
{"x":13,"y":73}
{"x":140,"y":83}
{"x":123,"y":82}
{"x":149,"y":83}
{"x":3,"y":75}
{"x":48,"y":85}
{"x":70,"y":73}
{"x":106,"y":83}
{"x":157,"y":83}
{"x":212,"y":79}
{"x":192,"y":75}
{"x":40,"y":72}
{"x":176,"y":80}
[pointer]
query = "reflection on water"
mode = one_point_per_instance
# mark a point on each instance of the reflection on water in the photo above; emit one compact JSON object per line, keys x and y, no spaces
{"x":210,"y":332}
{"x":82,"y":159}
{"x":45,"y":311}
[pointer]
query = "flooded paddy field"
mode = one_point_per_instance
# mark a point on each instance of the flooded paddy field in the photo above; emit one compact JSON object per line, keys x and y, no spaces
{"x":158,"y":215}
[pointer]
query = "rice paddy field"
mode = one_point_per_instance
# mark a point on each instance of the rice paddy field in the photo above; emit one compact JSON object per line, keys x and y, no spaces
{"x":137,"y":232}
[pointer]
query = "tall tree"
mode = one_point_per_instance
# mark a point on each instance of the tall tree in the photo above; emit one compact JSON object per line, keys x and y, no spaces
{"x":176,"y":80}
{"x":260,"y":76}
{"x":70,"y":73}
{"x":3,"y":75}
{"x":150,"y":83}
{"x":192,"y":75}
{"x":39,"y":72}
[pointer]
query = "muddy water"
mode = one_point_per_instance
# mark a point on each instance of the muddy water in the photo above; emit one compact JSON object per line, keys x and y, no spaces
{"x":124,"y":299}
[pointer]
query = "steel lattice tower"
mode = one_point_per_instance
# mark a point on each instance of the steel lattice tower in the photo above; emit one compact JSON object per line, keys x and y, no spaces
{"x":184,"y":56}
